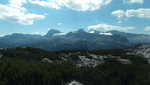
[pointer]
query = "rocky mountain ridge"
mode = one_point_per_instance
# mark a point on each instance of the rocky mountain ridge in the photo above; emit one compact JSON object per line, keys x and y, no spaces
{"x":55,"y":40}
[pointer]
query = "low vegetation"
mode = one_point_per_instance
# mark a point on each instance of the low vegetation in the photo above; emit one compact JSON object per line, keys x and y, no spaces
{"x":24,"y":66}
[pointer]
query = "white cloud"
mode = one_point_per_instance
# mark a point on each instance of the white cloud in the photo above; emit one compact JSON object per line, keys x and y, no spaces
{"x":135,"y":1}
{"x":147,"y":28}
{"x":15,"y":12}
{"x":17,"y":3}
{"x":107,"y":27}
{"x":138,"y":13}
{"x":78,"y":5}
{"x":119,"y":14}
{"x":50,"y":4}
{"x":38,"y":33}
{"x":86,"y":5}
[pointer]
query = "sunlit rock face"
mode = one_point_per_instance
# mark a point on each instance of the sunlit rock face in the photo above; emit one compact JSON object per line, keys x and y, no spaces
{"x":143,"y":50}
{"x":46,"y":60}
{"x":74,"y":83}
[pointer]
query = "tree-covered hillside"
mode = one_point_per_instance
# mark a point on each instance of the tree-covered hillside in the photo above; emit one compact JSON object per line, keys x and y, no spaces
{"x":31,"y":66}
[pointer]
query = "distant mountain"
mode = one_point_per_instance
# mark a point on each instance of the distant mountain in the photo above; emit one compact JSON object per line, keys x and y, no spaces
{"x":18,"y":39}
{"x":133,"y":38}
{"x":76,"y":40}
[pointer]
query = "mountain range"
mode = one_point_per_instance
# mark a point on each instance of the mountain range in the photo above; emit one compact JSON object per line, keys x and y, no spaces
{"x":56,"y":40}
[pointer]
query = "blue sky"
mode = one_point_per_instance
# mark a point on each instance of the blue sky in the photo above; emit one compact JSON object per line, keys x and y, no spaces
{"x":38,"y":16}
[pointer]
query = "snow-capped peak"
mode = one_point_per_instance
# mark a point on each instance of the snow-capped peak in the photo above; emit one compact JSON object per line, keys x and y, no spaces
{"x":91,"y":31}
{"x":106,"y":33}
{"x":59,"y":34}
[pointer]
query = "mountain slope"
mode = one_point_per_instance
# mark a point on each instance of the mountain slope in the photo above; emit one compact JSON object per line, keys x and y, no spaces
{"x":133,"y":38}
{"x":82,"y":40}
{"x":76,"y":40}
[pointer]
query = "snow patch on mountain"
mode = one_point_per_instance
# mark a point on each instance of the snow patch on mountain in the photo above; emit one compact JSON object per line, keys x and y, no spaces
{"x":106,"y":33}
{"x":59,"y":34}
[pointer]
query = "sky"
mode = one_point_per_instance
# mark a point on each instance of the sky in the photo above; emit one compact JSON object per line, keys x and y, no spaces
{"x":39,"y":16}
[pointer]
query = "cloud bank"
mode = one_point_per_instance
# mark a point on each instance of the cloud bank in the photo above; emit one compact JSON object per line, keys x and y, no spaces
{"x":77,"y":5}
{"x":15,"y":12}
{"x":107,"y":27}
{"x":136,"y":13}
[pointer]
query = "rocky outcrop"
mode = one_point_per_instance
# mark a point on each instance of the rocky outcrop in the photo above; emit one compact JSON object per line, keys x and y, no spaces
{"x":74,"y":83}
{"x":92,"y":60}
{"x":143,"y":50}
{"x":46,"y":60}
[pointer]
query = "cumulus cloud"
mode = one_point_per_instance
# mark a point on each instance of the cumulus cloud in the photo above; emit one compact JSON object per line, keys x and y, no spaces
{"x":77,"y":5}
{"x":107,"y":27}
{"x":17,"y":3}
{"x":51,"y":3}
{"x":85,"y":5}
{"x":138,"y":13}
{"x":119,"y":14}
{"x":15,"y":12}
{"x":147,"y":28}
